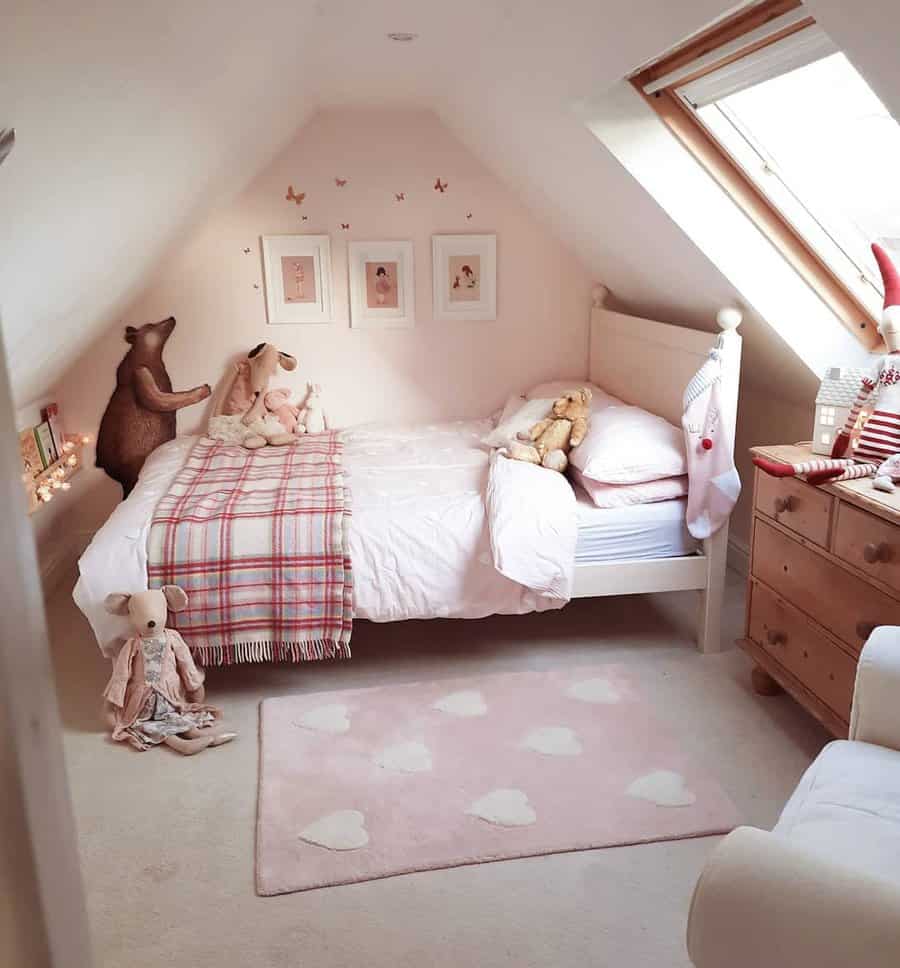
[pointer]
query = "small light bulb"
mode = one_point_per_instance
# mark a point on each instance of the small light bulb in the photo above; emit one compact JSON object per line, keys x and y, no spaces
{"x":72,"y":461}
{"x":57,"y":485}
{"x":65,"y":485}
{"x":68,"y":445}
{"x":85,"y":439}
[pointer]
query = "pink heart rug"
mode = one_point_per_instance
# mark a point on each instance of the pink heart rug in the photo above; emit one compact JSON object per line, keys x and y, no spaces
{"x":367,"y":783}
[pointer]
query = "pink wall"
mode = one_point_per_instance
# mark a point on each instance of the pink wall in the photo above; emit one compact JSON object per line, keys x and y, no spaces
{"x":435,"y":370}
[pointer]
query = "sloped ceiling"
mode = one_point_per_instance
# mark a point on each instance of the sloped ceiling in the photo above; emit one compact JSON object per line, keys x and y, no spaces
{"x":133,"y":121}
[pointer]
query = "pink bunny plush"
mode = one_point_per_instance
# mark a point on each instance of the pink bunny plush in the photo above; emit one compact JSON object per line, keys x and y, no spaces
{"x":278,"y":402}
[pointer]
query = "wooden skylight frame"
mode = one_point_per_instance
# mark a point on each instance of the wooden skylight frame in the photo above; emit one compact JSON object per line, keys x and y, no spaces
{"x":726,"y":37}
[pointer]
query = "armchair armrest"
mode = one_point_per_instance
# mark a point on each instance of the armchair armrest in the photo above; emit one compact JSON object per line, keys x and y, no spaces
{"x":762,"y":900}
{"x":875,"y":717}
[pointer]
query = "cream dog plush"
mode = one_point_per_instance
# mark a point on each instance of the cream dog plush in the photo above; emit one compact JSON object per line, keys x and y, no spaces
{"x":240,"y":414}
{"x":155,"y":694}
{"x":550,"y":440}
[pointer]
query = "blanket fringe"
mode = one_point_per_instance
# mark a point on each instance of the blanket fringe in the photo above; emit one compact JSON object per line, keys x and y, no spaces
{"x":309,"y":651}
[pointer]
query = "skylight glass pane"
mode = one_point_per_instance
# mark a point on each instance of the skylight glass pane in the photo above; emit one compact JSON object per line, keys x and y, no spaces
{"x":825,"y":149}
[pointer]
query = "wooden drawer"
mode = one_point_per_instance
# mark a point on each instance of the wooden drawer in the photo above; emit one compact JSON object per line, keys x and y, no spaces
{"x":869,"y":543}
{"x":797,"y":645}
{"x":795,"y":505}
{"x":849,"y":607}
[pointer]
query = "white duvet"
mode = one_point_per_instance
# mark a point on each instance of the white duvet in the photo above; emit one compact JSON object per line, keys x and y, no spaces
{"x":439,"y":529}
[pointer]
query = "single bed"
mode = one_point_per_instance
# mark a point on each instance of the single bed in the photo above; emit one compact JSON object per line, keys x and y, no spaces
{"x":420,"y":540}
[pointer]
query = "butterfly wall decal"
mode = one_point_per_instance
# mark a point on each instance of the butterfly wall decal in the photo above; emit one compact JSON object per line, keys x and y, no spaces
{"x":292,"y":196}
{"x":468,"y":215}
{"x":440,"y":186}
{"x":256,"y":285}
{"x":345,"y":225}
{"x":400,"y":196}
{"x":246,"y":252}
{"x":305,"y":218}
{"x":340,"y":182}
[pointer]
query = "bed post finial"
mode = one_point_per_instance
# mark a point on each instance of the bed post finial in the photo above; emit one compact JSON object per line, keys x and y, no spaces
{"x":729,"y":318}
{"x":599,"y":294}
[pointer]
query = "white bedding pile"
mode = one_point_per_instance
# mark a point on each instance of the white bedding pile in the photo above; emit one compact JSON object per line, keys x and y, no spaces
{"x":425,"y":542}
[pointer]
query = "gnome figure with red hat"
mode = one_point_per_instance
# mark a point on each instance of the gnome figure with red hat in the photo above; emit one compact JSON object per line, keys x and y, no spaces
{"x":877,"y":452}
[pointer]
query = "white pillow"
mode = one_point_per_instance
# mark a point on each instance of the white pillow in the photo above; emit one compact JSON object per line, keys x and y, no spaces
{"x":512,"y":404}
{"x":627,"y":445}
{"x":556,"y":388}
{"x":527,"y":415}
{"x":623,"y":495}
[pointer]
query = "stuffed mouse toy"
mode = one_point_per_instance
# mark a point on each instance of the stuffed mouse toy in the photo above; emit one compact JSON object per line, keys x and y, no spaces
{"x":156,"y":693}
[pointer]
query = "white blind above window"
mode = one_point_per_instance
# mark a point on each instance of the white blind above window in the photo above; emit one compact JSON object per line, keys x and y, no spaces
{"x":797,"y":50}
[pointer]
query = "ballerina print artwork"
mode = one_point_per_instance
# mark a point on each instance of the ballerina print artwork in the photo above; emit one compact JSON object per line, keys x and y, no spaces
{"x":298,"y":274}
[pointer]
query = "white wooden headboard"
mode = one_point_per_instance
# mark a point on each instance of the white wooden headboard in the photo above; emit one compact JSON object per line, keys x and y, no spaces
{"x":649,"y":364}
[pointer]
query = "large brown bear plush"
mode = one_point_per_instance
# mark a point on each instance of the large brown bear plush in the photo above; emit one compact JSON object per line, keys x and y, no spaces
{"x":551,"y":439}
{"x":140,"y":414}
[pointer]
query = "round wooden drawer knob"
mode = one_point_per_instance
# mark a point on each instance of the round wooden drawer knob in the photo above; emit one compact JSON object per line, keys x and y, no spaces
{"x":873,"y":553}
{"x":774,"y":637}
{"x":865,"y":629}
{"x":783,"y":504}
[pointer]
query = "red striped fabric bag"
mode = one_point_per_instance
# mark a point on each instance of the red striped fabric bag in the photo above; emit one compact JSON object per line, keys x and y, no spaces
{"x":259,"y":540}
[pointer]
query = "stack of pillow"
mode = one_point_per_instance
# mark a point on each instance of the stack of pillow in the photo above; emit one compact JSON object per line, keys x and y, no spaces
{"x":629,"y":456}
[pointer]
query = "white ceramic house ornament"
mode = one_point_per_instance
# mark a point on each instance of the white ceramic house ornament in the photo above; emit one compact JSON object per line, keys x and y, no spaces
{"x":833,"y":404}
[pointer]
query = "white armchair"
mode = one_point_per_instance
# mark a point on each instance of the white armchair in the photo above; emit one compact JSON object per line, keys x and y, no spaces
{"x":822,"y":890}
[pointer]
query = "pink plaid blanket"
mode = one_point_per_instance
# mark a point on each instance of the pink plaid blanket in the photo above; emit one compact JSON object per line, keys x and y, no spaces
{"x":259,"y":540}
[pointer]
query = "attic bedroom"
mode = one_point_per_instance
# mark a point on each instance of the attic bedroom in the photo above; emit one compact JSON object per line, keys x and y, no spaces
{"x":452,"y":460}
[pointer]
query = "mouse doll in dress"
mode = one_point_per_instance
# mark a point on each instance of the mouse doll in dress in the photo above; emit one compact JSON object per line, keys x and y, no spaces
{"x":156,"y":692}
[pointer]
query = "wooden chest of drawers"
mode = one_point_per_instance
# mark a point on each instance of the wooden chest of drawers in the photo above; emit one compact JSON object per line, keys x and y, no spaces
{"x":824,"y":571}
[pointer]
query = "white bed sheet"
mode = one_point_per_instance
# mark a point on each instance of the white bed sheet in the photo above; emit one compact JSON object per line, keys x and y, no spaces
{"x":419,"y":537}
{"x":656,"y":530}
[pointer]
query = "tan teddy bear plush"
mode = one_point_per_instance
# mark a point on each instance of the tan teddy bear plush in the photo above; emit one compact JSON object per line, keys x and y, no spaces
{"x":550,"y":440}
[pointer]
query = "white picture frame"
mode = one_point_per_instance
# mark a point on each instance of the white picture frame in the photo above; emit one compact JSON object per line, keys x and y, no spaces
{"x":382,"y":285}
{"x":297,"y":273}
{"x":464,"y":277}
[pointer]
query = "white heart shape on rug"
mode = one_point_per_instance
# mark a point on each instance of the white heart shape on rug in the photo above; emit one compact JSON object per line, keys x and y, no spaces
{"x":553,"y":741}
{"x":594,"y":690}
{"x":665,"y":788}
{"x":505,"y":808}
{"x":341,"y":830}
{"x":412,"y":757}
{"x":468,"y":702}
{"x":326,"y":719}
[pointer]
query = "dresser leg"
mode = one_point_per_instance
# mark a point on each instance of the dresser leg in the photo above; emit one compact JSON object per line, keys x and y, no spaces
{"x":763,"y":683}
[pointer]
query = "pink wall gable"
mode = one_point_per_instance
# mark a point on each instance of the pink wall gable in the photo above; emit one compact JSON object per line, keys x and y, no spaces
{"x":437,"y":369}
{"x":434,"y":370}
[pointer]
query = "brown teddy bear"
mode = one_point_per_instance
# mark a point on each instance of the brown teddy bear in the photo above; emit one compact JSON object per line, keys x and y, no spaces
{"x":550,"y":440}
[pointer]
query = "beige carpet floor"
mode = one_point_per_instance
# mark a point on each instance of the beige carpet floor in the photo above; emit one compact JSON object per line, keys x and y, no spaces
{"x":167,"y":842}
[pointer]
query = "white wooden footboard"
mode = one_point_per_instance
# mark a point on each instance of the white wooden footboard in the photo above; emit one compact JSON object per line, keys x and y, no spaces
{"x":648,"y":364}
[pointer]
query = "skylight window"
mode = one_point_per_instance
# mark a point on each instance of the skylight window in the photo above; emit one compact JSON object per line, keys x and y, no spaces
{"x":792,"y":131}
{"x":822,"y":147}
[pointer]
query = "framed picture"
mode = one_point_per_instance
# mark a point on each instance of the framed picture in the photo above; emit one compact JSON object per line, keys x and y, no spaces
{"x":464,"y":276}
{"x":382,"y":287}
{"x":298,"y":278}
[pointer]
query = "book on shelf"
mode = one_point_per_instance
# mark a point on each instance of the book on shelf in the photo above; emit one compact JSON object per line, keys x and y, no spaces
{"x":44,"y":437}
{"x":32,"y":465}
{"x":50,"y":413}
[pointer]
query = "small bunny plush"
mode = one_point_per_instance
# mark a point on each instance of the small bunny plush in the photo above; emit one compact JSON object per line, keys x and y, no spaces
{"x":155,"y":694}
{"x":312,"y":416}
